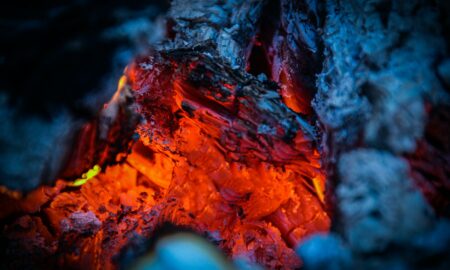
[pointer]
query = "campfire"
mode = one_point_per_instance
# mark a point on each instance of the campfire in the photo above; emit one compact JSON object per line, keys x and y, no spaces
{"x":241,"y":127}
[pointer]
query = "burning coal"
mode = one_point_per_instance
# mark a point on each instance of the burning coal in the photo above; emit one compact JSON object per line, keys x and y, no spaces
{"x":253,"y":124}
{"x":190,"y":140}
{"x":217,"y":152}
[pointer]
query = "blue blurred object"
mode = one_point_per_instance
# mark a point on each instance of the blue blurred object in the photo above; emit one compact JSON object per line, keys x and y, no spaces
{"x":184,"y":251}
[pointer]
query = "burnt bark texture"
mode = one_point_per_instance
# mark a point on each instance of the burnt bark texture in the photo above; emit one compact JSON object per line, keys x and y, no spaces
{"x":195,"y":81}
{"x":367,"y":82}
{"x":383,"y":79}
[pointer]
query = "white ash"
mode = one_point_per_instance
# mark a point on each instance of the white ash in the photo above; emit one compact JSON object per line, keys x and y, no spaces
{"x":81,"y":223}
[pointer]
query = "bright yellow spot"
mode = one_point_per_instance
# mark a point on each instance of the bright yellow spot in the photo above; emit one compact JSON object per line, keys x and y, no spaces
{"x":122,"y":82}
{"x":86,"y":176}
{"x":320,"y":189}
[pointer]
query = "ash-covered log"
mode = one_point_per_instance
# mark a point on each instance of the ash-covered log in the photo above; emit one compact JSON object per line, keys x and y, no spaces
{"x":383,"y":79}
{"x":288,"y":133}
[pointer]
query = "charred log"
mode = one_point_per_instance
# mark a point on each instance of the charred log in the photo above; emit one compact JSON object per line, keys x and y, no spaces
{"x":213,"y":131}
{"x":378,"y":80}
{"x":218,"y":151}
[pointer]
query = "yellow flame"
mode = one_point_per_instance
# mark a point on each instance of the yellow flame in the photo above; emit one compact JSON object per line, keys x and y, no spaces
{"x":86,"y":176}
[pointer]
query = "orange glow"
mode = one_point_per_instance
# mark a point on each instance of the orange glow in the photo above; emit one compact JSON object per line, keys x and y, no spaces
{"x":319,"y":185}
{"x":292,"y":95}
{"x":225,"y":188}
{"x":290,"y":100}
{"x":201,"y":161}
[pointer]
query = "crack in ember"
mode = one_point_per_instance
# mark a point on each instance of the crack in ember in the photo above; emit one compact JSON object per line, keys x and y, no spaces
{"x":219,"y":153}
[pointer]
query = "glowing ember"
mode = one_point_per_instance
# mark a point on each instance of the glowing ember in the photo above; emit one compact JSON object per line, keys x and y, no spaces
{"x":220,"y":155}
{"x":86,"y":176}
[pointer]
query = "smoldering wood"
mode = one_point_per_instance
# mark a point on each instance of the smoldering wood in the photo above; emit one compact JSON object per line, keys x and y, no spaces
{"x":222,"y":46}
{"x":378,"y":79}
{"x":370,"y":103}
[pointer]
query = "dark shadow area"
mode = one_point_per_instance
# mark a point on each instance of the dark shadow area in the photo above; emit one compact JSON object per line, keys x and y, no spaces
{"x":54,"y":53}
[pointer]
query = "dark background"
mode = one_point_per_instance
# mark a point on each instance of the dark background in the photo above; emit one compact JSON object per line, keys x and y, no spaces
{"x":53,"y":54}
